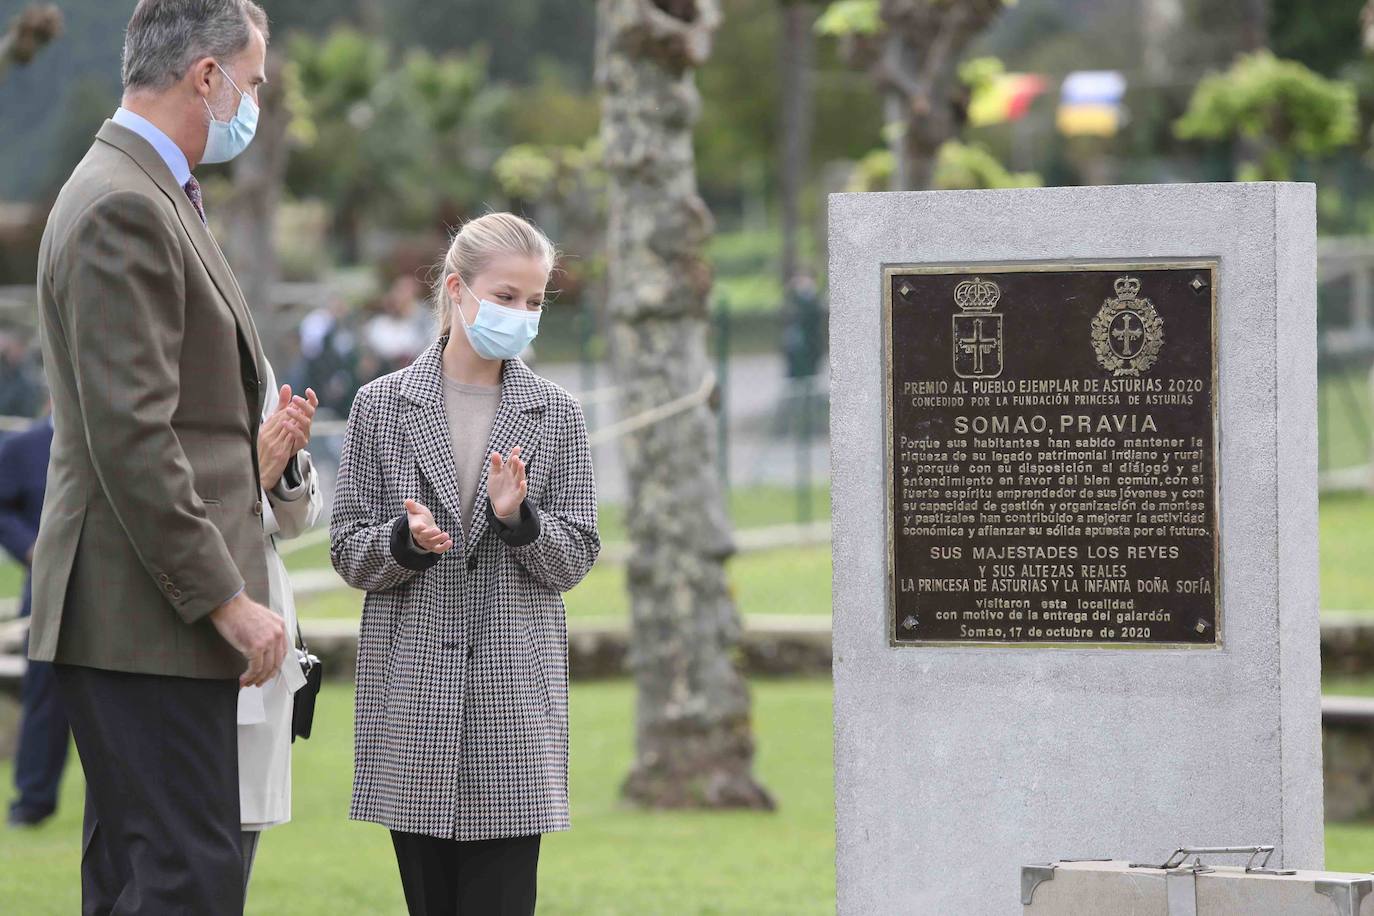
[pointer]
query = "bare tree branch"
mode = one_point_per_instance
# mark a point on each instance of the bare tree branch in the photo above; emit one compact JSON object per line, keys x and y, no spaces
{"x":916,"y":67}
{"x":28,"y":33}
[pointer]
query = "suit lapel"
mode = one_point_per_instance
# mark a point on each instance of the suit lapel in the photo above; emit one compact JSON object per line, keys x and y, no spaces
{"x":138,"y":149}
{"x":217,"y":267}
{"x":518,"y":422}
{"x":426,"y":426}
{"x":238,"y":304}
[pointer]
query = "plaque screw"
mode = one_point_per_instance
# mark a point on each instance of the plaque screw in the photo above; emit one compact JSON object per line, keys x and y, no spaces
{"x":1201,"y":626}
{"x":911,"y":622}
{"x":1198,"y":283}
{"x":904,"y":289}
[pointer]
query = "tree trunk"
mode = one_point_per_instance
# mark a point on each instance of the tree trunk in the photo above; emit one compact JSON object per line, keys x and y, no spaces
{"x":1254,"y":25}
{"x":915,"y":148}
{"x":1254,"y":36}
{"x":919,"y":148}
{"x":797,"y":53}
{"x":694,"y":745}
{"x":894,"y":117}
{"x":1159,"y":24}
{"x":346,"y":227}
{"x":250,"y":215}
{"x":917,"y":71}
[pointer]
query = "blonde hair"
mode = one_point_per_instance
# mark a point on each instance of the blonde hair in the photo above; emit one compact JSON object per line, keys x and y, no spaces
{"x":477,"y":244}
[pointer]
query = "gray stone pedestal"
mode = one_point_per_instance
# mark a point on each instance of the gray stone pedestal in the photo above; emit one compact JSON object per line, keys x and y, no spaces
{"x":955,"y":766}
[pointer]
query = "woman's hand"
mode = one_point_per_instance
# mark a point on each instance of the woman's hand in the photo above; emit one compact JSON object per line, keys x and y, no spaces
{"x":277,"y":439}
{"x":304,"y":409}
{"x":506,"y":484}
{"x":423,"y":531}
{"x":284,"y":433}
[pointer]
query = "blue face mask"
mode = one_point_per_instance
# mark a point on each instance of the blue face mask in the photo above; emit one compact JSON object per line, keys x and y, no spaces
{"x":499,"y":332}
{"x":229,"y":138}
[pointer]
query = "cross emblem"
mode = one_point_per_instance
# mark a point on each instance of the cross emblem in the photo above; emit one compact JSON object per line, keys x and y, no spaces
{"x":1127,"y":334}
{"x":978,"y":345}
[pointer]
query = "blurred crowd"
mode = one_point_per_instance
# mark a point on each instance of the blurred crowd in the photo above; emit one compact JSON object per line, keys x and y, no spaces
{"x":342,"y":348}
{"x":22,"y":391}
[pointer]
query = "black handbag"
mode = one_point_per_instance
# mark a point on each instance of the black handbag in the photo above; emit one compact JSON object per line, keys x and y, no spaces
{"x":303,"y":701}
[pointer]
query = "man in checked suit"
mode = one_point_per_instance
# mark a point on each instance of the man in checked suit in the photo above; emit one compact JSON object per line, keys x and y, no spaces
{"x":149,"y":566}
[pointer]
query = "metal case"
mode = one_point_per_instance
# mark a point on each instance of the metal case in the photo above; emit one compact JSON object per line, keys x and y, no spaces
{"x":1187,"y":886}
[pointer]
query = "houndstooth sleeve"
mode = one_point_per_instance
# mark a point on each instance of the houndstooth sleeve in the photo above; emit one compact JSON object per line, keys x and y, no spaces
{"x":557,"y":542}
{"x":366,"y":540}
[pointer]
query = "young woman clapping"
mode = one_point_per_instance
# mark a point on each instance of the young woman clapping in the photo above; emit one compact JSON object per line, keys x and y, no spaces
{"x":465,"y":507}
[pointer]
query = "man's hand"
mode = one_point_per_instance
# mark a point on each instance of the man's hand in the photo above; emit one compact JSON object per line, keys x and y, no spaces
{"x":423,"y":531}
{"x":257,"y":633}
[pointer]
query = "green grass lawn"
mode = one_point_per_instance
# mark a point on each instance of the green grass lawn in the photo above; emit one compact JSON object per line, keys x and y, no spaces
{"x":11,"y":578}
{"x":615,"y":861}
{"x":756,"y":507}
{"x":1347,"y":544}
{"x":1343,"y":412}
{"x":1350,"y":847}
{"x":797,"y":581}
{"x":793,"y":581}
{"x":753,"y":507}
{"x":1342,"y":685}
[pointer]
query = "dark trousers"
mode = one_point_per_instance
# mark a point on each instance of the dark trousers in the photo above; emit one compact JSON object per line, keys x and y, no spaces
{"x":162,"y":792}
{"x":42,"y":751}
{"x":467,"y":878}
{"x":250,"y":853}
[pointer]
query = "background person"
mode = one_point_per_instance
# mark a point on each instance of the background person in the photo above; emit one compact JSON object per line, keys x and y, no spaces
{"x":291,"y":505}
{"x":43,"y":734}
{"x":402,"y":327}
{"x":149,"y":563}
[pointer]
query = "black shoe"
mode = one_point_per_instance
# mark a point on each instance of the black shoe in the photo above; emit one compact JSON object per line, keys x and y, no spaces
{"x":23,"y":819}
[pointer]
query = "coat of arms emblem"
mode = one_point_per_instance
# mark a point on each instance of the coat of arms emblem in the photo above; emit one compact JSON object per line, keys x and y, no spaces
{"x":1127,"y":333}
{"x":977,"y":330}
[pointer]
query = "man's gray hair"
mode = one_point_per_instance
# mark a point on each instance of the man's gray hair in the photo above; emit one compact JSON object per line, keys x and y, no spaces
{"x":165,"y":37}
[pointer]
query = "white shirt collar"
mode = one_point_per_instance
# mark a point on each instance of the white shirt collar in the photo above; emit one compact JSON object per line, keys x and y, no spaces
{"x":169,"y":151}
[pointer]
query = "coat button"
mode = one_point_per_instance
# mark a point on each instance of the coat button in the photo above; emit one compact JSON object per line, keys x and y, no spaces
{"x":471,"y":652}
{"x":472,"y":564}
{"x":169,"y":586}
{"x":257,"y":508}
{"x":176,"y":593}
{"x":162,"y":577}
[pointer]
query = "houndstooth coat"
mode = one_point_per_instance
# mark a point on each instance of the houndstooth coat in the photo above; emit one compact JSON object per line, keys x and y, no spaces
{"x":462,"y":702}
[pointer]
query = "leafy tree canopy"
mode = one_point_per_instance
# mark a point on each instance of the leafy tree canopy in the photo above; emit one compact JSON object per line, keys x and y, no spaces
{"x":1280,"y":107}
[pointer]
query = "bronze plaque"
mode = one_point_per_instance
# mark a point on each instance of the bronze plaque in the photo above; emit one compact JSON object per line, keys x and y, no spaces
{"x":1052,"y":455}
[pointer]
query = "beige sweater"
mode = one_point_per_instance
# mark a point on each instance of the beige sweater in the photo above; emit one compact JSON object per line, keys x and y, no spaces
{"x":471,"y":410}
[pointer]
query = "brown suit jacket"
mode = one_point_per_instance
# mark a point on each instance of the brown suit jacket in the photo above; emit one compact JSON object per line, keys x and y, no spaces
{"x":152,"y":517}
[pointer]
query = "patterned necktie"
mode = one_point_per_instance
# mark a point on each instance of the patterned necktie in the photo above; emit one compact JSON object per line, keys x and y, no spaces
{"x":192,"y":188}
